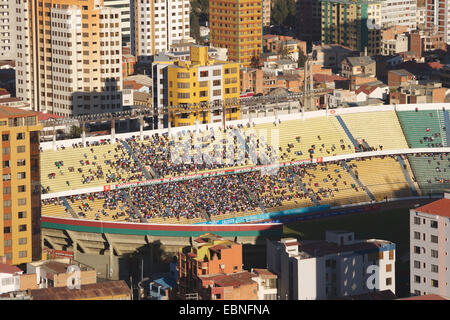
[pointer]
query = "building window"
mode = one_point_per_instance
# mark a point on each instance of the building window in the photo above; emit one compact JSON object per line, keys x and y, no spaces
{"x":417,"y":264}
{"x":434,"y":268}
{"x":22,"y":214}
{"x":388,"y":267}
{"x":6,"y":150}
{"x":416,"y":235}
{"x":434,"y":253}
{"x":203,"y":73}
{"x":8,"y":243}
{"x":416,"y":279}
{"x":388,"y":281}
{"x":7,"y":230}
{"x":391,"y":255}
{"x":6,"y":190}
{"x":21,"y":188}
{"x":6,"y":203}
{"x":20,"y":162}
{"x":20,"y":149}
{"x":22,"y":227}
{"x":6,"y":164}
{"x":5,"y":137}
{"x":22,"y":254}
{"x":20,"y":136}
{"x":417,"y":249}
{"x":434,"y":283}
{"x":23,"y":240}
{"x":434,"y":239}
{"x":433,"y":224}
{"x":21,"y":175}
{"x":7,"y":177}
{"x":7,"y":216}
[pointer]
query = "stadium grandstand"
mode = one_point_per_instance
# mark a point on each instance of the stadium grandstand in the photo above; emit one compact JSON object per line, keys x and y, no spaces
{"x":189,"y":151}
{"x":245,"y":172}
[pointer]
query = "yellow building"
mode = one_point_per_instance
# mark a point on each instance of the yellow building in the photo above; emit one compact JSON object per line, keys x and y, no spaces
{"x":194,"y":85}
{"x":237,"y":26}
{"x":20,"y":213}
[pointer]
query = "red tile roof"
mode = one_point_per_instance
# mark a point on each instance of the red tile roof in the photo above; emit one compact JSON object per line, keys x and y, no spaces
{"x":10,"y":112}
{"x":366,"y":89}
{"x":320,"y":77}
{"x":4,"y":92}
{"x":6,"y":268}
{"x":130,"y":84}
{"x":440,"y":208}
{"x":45,"y":116}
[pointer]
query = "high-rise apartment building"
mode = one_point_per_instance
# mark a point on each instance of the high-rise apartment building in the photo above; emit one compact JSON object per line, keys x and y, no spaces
{"x":157,"y":25}
{"x":69,"y":56}
{"x":186,"y":88}
{"x":438,"y":14}
{"x":399,"y":13}
{"x":354,"y":24}
{"x":125,"y":17}
{"x":7,"y":36}
{"x":237,"y":26}
{"x":429,"y":248}
{"x":20,"y":213}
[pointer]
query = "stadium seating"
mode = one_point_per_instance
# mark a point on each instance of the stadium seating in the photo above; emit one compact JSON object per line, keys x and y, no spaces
{"x":423,"y":128}
{"x":324,"y":136}
{"x":382,"y":176}
{"x":377,"y":129}
{"x":432,"y":172}
{"x":76,"y":168}
{"x":332,"y":185}
{"x":54,"y":208}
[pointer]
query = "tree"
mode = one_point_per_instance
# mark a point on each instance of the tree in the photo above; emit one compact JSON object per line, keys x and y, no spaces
{"x":256,"y":62}
{"x":279,"y":12}
{"x":195,"y":27}
{"x":284,"y":53}
{"x":301,"y":59}
{"x":75,"y":132}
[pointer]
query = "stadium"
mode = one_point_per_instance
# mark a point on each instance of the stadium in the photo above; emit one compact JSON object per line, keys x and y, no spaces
{"x":108,"y":197}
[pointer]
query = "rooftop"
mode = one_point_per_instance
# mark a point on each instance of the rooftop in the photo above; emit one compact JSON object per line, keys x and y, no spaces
{"x":320,"y":248}
{"x":6,"y":268}
{"x":10,"y":112}
{"x":264,"y":273}
{"x":230,"y":280}
{"x":401,"y":72}
{"x":88,"y":291}
{"x":360,"y":61}
{"x":439,"y":207}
